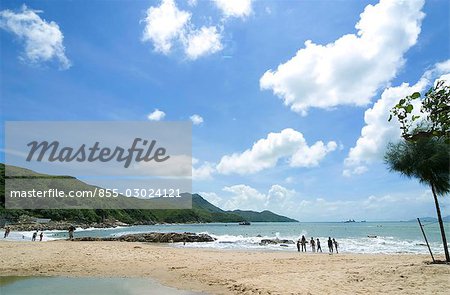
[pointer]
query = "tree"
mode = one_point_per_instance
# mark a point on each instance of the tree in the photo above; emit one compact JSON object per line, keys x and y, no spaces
{"x":435,"y":114}
{"x":424,"y":151}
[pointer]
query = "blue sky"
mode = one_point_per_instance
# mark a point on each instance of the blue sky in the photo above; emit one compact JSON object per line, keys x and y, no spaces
{"x":245,"y":69}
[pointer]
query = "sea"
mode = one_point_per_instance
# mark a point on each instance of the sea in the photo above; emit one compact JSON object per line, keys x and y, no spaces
{"x":354,"y":237}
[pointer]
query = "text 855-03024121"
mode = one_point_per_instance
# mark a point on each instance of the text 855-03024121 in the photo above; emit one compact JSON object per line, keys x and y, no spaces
{"x":153,"y":193}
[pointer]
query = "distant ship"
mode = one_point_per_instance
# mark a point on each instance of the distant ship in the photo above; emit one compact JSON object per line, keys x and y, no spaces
{"x":349,"y":221}
{"x":244,"y":223}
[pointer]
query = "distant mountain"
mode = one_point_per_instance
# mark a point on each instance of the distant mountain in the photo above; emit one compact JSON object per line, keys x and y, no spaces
{"x":202,"y":210}
{"x":264,"y":216}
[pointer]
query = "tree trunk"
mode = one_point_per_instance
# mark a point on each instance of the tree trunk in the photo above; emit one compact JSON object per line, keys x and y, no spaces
{"x":441,"y":224}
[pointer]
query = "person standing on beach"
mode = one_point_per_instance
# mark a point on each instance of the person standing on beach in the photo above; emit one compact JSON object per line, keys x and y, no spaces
{"x":335,"y":245}
{"x":298,"y":245}
{"x":33,"y":238}
{"x":318,"y":246}
{"x":41,"y":236}
{"x":313,"y":245}
{"x":330,"y":245}
{"x":303,"y":242}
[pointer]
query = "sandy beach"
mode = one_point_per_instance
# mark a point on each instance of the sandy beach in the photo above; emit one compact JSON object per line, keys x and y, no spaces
{"x":229,"y":272}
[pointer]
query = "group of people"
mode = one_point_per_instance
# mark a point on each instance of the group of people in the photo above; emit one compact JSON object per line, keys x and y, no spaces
{"x":35,"y":234}
{"x":33,"y":237}
{"x":41,"y":235}
{"x":315,"y":245}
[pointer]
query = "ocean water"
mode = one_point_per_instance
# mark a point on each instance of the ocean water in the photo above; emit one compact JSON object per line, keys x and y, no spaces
{"x":76,"y":286}
{"x":391,"y":237}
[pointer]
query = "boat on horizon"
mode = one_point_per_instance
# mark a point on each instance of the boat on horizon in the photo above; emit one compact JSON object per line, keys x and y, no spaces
{"x":244,"y":223}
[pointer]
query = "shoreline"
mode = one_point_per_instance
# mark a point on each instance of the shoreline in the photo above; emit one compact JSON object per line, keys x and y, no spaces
{"x":228,"y":272}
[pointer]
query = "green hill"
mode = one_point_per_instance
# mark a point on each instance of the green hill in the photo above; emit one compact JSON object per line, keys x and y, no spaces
{"x":202,"y":211}
{"x":264,"y":216}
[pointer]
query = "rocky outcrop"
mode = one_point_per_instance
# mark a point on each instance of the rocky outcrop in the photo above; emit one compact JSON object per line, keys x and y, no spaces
{"x":275,"y":241}
{"x":155,"y":237}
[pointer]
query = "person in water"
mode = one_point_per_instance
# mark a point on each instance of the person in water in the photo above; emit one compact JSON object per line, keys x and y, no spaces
{"x":303,"y":243}
{"x":318,"y":246}
{"x":313,"y":245}
{"x":330,"y":245}
{"x":71,"y":230}
{"x":33,"y":238}
{"x":335,"y":245}
{"x":7,"y":231}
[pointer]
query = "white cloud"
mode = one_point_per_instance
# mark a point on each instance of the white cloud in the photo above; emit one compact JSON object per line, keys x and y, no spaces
{"x":266,"y":152}
{"x":211,"y":197}
{"x":235,"y":8}
{"x":310,"y":156}
{"x":43,"y":40}
{"x":352,"y":68}
{"x":378,"y":132}
{"x":156,"y":115}
{"x":196,"y":119}
{"x":203,"y":172}
{"x":164,"y":25}
{"x":245,"y":197}
{"x":279,"y":194}
{"x":203,"y":42}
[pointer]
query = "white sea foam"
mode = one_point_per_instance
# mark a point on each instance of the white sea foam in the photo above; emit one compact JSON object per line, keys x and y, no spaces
{"x":381,"y":245}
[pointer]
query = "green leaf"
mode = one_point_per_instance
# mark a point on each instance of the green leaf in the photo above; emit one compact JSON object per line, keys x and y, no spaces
{"x":415,"y":95}
{"x":409,"y":108}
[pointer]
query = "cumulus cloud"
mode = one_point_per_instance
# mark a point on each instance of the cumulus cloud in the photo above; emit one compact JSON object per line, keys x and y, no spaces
{"x":203,"y":171}
{"x":203,"y":42}
{"x":349,"y":70}
{"x":167,"y":26}
{"x":266,"y":152}
{"x":156,"y":115}
{"x":278,"y":198}
{"x":43,"y":40}
{"x":244,"y":197}
{"x":196,"y":119}
{"x":164,"y":25}
{"x":235,"y":8}
{"x":212,"y":197}
{"x":310,"y":156}
{"x":378,"y":132}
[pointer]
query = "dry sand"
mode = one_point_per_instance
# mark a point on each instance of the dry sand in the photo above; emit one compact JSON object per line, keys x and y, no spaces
{"x":229,"y":272}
